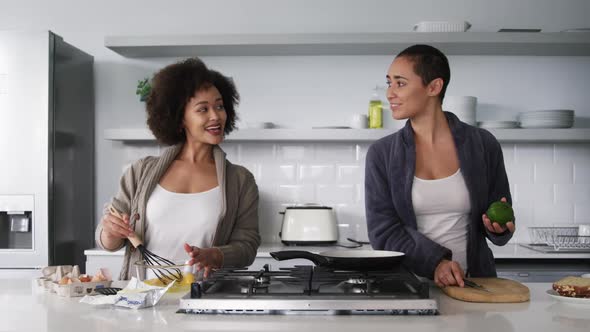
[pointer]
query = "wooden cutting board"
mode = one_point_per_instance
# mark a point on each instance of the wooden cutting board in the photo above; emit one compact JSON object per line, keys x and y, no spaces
{"x":501,"y":291}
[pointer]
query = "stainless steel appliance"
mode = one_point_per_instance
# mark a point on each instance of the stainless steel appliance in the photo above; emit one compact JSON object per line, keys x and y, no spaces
{"x":309,"y":225}
{"x":47,"y":151}
{"x":310,"y":290}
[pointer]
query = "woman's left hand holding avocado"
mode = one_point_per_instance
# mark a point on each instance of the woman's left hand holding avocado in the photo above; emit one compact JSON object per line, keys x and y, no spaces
{"x":496,"y":226}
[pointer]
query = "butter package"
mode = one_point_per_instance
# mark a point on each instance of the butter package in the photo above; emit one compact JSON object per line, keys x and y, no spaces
{"x":135,"y":295}
{"x":138,"y":294}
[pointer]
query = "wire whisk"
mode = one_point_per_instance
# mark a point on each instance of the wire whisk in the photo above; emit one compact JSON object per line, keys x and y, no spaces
{"x":165,"y":275}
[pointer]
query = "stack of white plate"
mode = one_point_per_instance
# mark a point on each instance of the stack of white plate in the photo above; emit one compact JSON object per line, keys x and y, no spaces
{"x":464,"y":107}
{"x":498,"y":124}
{"x":547,"y":119}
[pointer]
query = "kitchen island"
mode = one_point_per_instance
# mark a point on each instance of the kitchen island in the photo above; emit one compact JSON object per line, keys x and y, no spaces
{"x":22,"y":310}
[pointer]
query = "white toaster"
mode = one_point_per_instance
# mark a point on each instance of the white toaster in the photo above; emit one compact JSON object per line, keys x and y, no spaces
{"x":309,"y":225}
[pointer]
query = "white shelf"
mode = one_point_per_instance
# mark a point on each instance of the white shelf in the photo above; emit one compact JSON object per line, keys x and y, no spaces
{"x":571,"y":135}
{"x":451,"y":43}
{"x":138,"y":134}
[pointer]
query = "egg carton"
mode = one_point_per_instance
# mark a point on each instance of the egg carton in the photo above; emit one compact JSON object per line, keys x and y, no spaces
{"x":77,"y":289}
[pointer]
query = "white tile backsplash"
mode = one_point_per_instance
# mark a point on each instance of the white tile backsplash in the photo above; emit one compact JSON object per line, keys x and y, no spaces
{"x":572,"y":193}
{"x":549,"y":173}
{"x":295,"y":152}
{"x":521,"y":173}
{"x":350,"y":173}
{"x":582,"y":173}
{"x":336,"y":194}
{"x":546,"y":214}
{"x":335,"y":152}
{"x":317,"y":173}
{"x":231,"y":150}
{"x":533,"y":153}
{"x":508,"y":152}
{"x":253,"y":167}
{"x":582,"y":213}
{"x":577,"y":153}
{"x":536,"y":193}
{"x":257,"y":152}
{"x":272,"y":172}
{"x":294,"y":194}
{"x":271,"y":220}
{"x":550,"y":183}
{"x":361,"y":153}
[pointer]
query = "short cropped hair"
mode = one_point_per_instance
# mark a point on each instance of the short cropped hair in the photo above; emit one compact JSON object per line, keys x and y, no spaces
{"x":429,"y":63}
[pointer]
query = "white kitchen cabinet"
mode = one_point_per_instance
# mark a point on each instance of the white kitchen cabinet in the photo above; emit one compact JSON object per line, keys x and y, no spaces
{"x":569,"y":135}
{"x":451,"y":43}
{"x":97,"y":258}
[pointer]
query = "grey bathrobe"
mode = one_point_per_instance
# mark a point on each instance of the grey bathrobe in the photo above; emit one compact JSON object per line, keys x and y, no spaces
{"x":391,"y":221}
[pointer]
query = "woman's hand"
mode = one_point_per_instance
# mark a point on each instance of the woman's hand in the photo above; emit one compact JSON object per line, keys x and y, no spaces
{"x":494,"y":227}
{"x":448,"y":273}
{"x":205,"y":258}
{"x":114,"y":230}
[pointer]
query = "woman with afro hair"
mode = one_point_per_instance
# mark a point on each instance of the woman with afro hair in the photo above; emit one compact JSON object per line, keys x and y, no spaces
{"x":190,"y":203}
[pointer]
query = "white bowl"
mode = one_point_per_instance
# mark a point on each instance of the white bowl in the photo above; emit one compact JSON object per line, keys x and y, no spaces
{"x":458,"y":100}
{"x":498,"y":124}
{"x":442,"y":26}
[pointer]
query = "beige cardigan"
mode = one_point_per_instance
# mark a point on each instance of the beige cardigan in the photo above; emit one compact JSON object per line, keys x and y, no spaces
{"x":237,"y":231}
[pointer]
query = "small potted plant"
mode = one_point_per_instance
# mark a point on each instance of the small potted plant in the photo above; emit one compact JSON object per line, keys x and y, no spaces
{"x":143,"y":89}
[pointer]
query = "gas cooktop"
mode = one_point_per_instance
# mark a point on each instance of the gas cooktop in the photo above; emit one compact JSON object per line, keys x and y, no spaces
{"x":310,"y":290}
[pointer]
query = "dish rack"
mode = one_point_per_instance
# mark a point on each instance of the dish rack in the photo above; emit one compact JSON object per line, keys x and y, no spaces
{"x":560,"y":238}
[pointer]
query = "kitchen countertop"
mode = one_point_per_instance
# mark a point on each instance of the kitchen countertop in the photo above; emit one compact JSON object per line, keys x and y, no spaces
{"x":509,"y":251}
{"x":21,"y":310}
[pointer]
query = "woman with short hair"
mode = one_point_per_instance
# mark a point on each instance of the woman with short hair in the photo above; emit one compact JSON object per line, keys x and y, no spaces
{"x":428,"y":186}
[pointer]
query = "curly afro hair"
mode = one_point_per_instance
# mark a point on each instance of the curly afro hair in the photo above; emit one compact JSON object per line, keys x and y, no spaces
{"x":173,"y":86}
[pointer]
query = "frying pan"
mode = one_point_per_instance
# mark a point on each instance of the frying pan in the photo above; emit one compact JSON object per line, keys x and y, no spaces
{"x":346,"y":259}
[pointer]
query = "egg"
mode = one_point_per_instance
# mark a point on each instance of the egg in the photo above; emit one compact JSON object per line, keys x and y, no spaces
{"x":64,"y":281}
{"x":154,"y":282}
{"x":187,"y":278}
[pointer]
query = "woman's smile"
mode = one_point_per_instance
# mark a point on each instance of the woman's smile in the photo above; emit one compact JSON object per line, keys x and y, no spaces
{"x":214,"y":130}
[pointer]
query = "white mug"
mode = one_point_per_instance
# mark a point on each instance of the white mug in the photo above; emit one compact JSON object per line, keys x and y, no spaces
{"x":583,"y":230}
{"x":359,"y":121}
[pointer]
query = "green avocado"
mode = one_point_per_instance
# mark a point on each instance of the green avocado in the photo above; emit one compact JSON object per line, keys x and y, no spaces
{"x":500,"y":212}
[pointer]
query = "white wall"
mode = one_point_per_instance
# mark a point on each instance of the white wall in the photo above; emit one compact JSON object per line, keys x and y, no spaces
{"x":549,"y":181}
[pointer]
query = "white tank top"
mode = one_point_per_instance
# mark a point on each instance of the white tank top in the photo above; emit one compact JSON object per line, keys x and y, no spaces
{"x":442,"y":208}
{"x":173,"y":219}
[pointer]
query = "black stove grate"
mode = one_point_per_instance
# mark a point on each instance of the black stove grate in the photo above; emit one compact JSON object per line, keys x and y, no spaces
{"x":313,"y":281}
